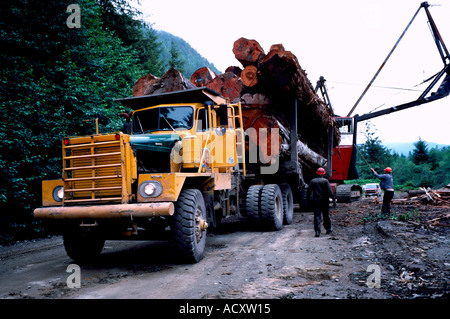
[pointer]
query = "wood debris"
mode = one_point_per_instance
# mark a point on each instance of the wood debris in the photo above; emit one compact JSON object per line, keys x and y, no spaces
{"x":435,"y":197}
{"x":426,"y":196}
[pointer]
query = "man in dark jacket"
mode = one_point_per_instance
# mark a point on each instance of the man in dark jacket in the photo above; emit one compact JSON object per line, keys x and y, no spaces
{"x":320,"y":190}
{"x":386,"y":184}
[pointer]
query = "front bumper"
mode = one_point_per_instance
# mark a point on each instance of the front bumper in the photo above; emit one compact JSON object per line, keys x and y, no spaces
{"x":106,"y":211}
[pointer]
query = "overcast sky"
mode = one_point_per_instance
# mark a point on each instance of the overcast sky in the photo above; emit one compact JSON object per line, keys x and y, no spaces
{"x":344,"y":41}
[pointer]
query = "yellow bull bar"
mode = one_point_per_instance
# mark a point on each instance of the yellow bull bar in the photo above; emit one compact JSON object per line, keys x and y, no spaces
{"x":106,"y":211}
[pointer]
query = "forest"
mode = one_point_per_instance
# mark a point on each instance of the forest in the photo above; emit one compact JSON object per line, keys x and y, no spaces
{"x":422,"y":167}
{"x":58,"y":74}
{"x":57,"y":77}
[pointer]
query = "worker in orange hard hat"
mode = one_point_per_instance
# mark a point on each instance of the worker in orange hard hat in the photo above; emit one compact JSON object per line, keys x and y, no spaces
{"x":318,"y":194}
{"x":386,"y":184}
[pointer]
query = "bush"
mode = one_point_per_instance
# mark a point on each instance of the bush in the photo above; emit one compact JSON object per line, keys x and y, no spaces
{"x":53,"y":80}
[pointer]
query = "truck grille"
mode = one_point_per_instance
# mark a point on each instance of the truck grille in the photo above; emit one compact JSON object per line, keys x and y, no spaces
{"x":93,"y":170}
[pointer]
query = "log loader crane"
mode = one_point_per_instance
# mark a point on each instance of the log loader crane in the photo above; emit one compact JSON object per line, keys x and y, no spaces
{"x":341,"y":163}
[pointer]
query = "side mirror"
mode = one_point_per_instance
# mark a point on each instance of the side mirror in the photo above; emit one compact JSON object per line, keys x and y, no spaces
{"x":127,"y":125}
{"x":125,"y":115}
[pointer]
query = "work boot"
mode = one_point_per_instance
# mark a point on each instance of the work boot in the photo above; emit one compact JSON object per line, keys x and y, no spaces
{"x":317,"y":233}
{"x":329,"y":231}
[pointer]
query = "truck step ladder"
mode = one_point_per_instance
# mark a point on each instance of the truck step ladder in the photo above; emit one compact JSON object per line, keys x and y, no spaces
{"x":236,"y":115}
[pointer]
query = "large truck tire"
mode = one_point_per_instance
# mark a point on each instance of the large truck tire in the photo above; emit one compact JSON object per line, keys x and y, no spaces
{"x":83,"y":246}
{"x":288,"y":203}
{"x":253,"y":203}
{"x":189,"y":225}
{"x":303,"y":200}
{"x":272,"y":207}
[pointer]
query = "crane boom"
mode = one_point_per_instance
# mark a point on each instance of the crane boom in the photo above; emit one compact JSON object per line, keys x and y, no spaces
{"x":443,"y":89}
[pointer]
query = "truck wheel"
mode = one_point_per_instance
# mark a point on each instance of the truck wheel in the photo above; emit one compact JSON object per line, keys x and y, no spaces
{"x":189,"y":225}
{"x":272,"y":207}
{"x":303,"y":200}
{"x":253,"y":203}
{"x":82,"y":246}
{"x":288,"y":203}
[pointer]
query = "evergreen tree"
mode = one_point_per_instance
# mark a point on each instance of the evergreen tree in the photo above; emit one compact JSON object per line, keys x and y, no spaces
{"x":54,"y":79}
{"x":420,"y":152}
{"x":176,"y":61}
{"x":150,"y":49}
{"x":119,"y":17}
{"x":374,"y":152}
{"x":192,"y":59}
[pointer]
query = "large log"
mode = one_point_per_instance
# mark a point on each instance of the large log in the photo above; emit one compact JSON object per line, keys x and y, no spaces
{"x":280,"y":70}
{"x":308,"y":157}
{"x":234,"y":69}
{"x":171,"y":81}
{"x":143,"y":83}
{"x":275,"y":47}
{"x":282,"y":78}
{"x":228,"y":85}
{"x":248,"y":52}
{"x":264,"y":134}
{"x":274,"y":141}
{"x":257,"y":99}
{"x":202,"y":77}
{"x":266,"y":88}
{"x":249,"y":76}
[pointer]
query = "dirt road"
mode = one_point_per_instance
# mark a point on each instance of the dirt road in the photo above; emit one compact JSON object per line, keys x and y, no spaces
{"x":411,"y":258}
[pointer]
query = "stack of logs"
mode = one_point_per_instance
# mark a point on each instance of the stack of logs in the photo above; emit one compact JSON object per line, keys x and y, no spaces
{"x":266,"y":86}
{"x":440,"y":197}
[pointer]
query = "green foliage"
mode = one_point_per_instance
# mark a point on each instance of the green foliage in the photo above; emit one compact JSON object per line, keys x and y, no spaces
{"x":408,"y":216}
{"x":362,"y":181}
{"x":124,"y":21}
{"x":54,"y":81}
{"x":373,"y":152}
{"x":192,"y":59}
{"x":420,"y":152}
{"x":176,"y":61}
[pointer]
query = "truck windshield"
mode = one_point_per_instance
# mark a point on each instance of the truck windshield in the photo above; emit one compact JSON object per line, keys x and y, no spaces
{"x":163,"y":119}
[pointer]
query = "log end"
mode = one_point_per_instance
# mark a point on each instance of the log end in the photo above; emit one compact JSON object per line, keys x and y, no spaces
{"x":234,"y":69}
{"x":249,"y":76}
{"x":228,"y":85}
{"x":248,"y":51}
{"x":143,"y":83}
{"x":202,"y":76}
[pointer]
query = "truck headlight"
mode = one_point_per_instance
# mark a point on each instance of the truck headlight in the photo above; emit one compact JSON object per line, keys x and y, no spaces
{"x":58,"y":193}
{"x":150,"y":189}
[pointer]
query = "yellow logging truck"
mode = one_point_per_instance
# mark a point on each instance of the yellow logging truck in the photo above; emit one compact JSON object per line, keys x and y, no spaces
{"x":174,"y":171}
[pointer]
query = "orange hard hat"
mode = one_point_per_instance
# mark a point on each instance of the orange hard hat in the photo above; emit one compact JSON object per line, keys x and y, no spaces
{"x":320,"y":171}
{"x":388,"y":169}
